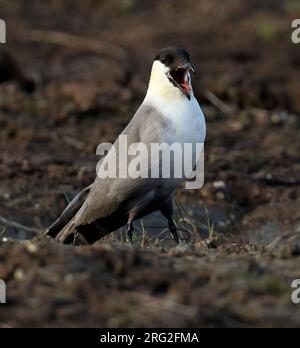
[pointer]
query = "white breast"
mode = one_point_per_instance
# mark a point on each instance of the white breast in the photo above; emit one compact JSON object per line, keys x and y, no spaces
{"x":188,"y":120}
{"x":186,"y":117}
{"x":188,"y":127}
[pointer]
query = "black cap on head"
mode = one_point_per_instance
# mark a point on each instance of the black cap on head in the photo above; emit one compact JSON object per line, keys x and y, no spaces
{"x":172,"y":55}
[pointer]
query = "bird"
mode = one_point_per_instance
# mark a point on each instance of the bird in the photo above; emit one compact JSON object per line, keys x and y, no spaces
{"x":10,"y":70}
{"x":168,"y":114}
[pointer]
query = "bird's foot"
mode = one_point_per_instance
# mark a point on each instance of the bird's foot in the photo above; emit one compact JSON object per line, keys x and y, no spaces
{"x":174,"y":233}
{"x":129,"y":233}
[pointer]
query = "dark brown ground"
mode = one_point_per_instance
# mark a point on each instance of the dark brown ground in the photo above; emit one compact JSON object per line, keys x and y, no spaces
{"x":241,"y":274}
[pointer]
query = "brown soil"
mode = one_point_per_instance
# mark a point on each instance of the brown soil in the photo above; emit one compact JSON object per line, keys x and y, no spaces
{"x":241,"y":274}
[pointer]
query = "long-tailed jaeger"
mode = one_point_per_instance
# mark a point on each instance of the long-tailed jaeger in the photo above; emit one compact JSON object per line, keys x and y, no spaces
{"x":169,"y":114}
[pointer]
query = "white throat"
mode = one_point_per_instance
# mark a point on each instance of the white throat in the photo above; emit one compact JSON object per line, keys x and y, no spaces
{"x":186,"y":115}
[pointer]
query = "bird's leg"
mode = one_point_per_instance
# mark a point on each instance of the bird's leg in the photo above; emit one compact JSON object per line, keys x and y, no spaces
{"x":173,"y":230}
{"x":129,"y":231}
{"x":167,"y":211}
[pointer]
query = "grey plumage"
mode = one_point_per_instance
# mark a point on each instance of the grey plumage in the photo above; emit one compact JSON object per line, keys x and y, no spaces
{"x":109,"y":204}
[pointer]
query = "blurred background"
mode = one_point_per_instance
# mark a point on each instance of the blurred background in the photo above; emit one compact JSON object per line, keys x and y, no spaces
{"x":74,"y":72}
{"x":91,"y":61}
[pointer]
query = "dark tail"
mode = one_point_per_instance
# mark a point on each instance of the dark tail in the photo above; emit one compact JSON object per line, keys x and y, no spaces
{"x":92,"y":232}
{"x":68,"y":214}
{"x":65,"y":231}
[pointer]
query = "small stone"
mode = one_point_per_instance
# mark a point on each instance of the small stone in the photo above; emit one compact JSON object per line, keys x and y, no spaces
{"x":32,"y":248}
{"x":6,"y":196}
{"x":219,"y":184}
{"x":19,"y":274}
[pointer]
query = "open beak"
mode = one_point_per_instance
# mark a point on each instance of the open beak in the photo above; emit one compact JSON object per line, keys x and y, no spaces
{"x":180,"y":77}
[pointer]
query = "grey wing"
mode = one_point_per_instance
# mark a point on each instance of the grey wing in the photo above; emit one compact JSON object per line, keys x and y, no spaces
{"x":107,"y":195}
